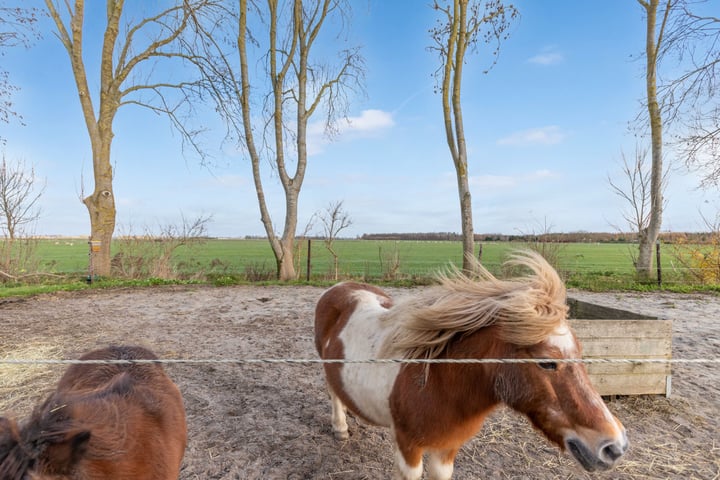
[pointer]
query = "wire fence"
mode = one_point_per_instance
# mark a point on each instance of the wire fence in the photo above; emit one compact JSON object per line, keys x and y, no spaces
{"x":325,"y":361}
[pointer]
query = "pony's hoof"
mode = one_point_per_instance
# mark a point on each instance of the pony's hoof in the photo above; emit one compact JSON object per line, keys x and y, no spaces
{"x":341,"y":434}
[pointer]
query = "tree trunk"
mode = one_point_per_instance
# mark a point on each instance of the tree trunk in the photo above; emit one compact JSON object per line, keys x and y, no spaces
{"x":461,"y":167}
{"x":101,"y":203}
{"x":102,"y":211}
{"x":286,"y":271}
{"x":101,"y":207}
{"x":468,"y":235}
{"x":284,"y":247}
{"x":644,"y":259}
{"x":454,"y":126}
{"x":649,"y":236}
{"x":286,"y":260}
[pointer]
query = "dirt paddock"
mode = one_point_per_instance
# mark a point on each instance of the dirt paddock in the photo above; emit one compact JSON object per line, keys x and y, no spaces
{"x":272,"y":421}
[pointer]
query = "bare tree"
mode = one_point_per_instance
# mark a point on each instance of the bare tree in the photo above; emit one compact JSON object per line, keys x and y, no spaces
{"x":20,"y":191}
{"x":636,"y":193}
{"x":297,"y":86}
{"x":654,"y":38}
{"x":691,"y":100}
{"x":460,"y":27}
{"x":146,"y":44}
{"x":634,"y":187}
{"x":686,"y":105}
{"x":17,"y":29}
{"x":334,"y":220}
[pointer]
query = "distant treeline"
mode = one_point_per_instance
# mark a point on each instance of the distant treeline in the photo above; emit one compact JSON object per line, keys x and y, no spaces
{"x":573,"y":237}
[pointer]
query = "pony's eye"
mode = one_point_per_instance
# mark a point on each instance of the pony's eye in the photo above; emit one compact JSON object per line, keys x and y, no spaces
{"x":548,"y":365}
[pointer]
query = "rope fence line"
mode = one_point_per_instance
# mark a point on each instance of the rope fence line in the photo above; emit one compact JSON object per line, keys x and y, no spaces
{"x":311,"y":361}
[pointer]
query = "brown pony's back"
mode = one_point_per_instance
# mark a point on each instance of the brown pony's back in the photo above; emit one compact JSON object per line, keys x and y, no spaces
{"x":119,"y":421}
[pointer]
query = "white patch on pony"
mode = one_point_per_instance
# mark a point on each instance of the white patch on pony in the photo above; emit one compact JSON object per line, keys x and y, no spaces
{"x":369,"y":385}
{"x":438,"y":470}
{"x":563,"y":340}
{"x":339,"y":419}
{"x":405,"y":471}
{"x":602,"y":406}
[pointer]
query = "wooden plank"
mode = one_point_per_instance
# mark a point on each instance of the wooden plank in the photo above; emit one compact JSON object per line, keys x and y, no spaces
{"x":599,"y":369}
{"x":622,"y":328}
{"x":630,"y":384}
{"x":627,"y":348}
{"x":580,"y":309}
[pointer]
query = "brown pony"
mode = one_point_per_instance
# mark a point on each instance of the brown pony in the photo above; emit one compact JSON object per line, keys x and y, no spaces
{"x":104,"y":421}
{"x":435,"y":408}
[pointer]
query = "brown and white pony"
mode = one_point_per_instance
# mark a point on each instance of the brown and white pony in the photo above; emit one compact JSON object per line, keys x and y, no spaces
{"x":104,"y":421}
{"x":435,"y":408}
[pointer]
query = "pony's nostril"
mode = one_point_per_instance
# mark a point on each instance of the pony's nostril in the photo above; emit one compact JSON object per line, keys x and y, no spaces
{"x":613,"y":451}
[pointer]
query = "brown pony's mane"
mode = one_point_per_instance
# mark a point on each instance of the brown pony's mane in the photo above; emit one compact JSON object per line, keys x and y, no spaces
{"x":13,"y":461}
{"x":526,"y":309}
{"x":22,"y":446}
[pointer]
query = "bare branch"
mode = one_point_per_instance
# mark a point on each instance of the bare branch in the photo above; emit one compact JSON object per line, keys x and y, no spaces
{"x":689,"y":101}
{"x":123,"y":82}
{"x":334,"y":220}
{"x":634,"y":187}
{"x":20,"y":191}
{"x":17,"y":29}
{"x":267,"y":109}
{"x":458,"y":30}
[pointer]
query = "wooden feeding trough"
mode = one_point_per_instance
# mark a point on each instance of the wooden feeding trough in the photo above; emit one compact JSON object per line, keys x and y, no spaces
{"x":619,"y":334}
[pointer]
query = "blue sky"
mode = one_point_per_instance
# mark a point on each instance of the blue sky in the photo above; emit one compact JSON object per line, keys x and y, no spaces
{"x":544,"y":128}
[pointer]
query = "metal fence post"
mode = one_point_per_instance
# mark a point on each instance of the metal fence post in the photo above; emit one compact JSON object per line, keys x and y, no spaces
{"x":657,"y":260}
{"x":307,"y":275}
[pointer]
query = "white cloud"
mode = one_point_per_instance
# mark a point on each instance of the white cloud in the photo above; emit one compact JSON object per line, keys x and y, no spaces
{"x":542,"y":174}
{"x":547,"y":58}
{"x":370,"y":122}
{"x":550,"y":135}
{"x":549,"y":55}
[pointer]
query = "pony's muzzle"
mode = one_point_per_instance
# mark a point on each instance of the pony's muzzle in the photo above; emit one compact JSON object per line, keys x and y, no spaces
{"x":601,"y":458}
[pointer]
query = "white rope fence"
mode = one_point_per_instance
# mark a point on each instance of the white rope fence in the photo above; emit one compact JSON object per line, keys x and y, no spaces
{"x":311,"y":361}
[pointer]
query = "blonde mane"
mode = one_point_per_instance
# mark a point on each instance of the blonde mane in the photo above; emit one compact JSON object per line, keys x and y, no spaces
{"x":526,"y":309}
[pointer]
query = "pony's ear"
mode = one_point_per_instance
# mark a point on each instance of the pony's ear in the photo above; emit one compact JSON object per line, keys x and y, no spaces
{"x":60,"y":457}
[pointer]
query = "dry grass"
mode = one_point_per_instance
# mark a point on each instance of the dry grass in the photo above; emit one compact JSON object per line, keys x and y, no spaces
{"x":510,"y":438}
{"x":16,"y":378}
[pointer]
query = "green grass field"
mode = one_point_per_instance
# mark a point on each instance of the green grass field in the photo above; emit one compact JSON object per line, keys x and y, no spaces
{"x":357,"y":258}
{"x":62,"y":264}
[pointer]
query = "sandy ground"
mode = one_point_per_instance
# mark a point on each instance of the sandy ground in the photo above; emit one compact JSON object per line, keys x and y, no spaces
{"x":272,"y":421}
